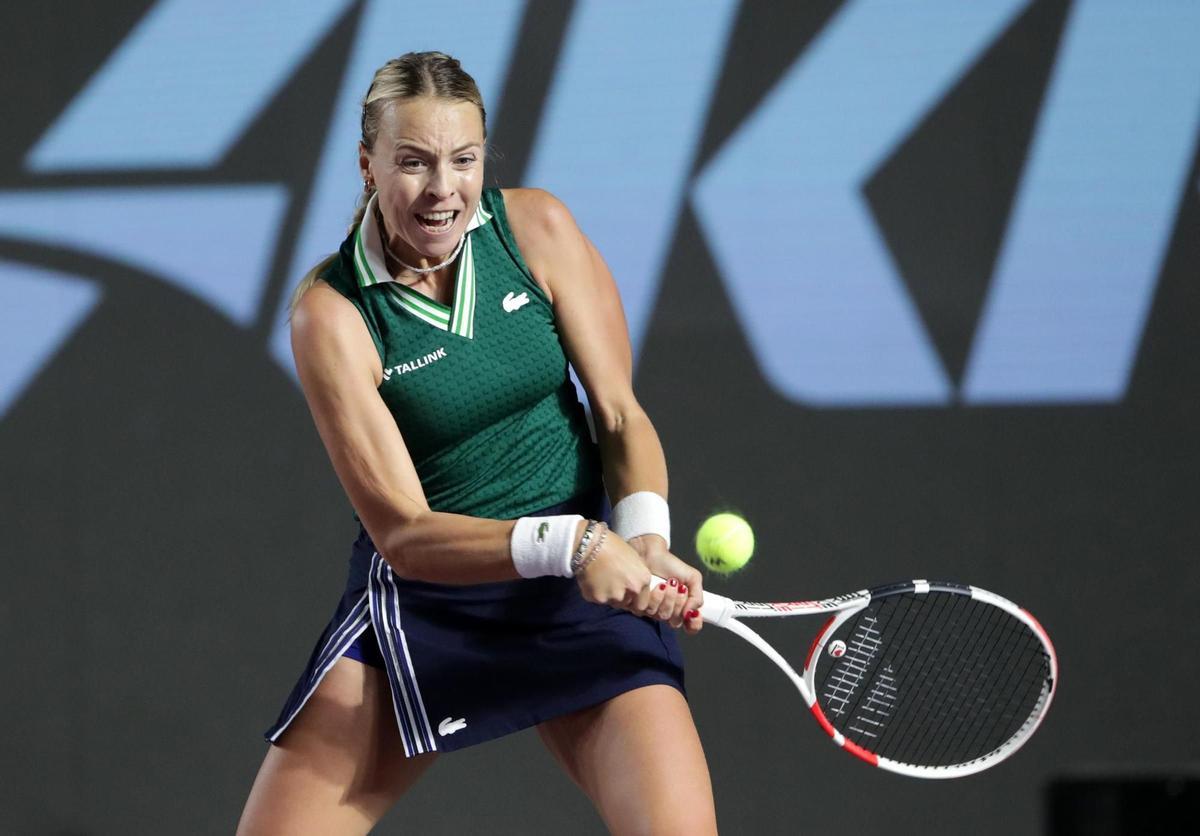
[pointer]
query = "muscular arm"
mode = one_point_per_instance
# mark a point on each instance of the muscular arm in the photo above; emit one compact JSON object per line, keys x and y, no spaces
{"x":595,"y":336}
{"x":588,"y":310}
{"x":340,"y":371}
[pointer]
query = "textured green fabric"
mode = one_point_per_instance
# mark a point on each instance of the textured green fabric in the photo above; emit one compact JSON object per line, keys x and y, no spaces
{"x":492,"y":422}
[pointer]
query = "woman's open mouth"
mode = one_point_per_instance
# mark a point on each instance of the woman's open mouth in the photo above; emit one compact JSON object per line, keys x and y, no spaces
{"x":435,"y":222}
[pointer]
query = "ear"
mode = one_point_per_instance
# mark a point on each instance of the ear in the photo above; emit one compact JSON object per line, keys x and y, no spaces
{"x":364,"y":164}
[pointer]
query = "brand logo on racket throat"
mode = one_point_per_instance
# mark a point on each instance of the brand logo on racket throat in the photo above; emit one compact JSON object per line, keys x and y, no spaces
{"x":413,"y":365}
{"x":450,"y":725}
{"x":837,"y":648}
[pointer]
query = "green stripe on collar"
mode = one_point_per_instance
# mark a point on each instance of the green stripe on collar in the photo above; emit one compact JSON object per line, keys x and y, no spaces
{"x":370,"y":269}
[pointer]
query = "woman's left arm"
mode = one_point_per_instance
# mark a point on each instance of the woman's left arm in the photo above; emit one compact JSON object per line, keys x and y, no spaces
{"x":587,"y":309}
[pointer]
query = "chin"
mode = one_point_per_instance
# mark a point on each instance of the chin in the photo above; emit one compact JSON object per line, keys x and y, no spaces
{"x":438,"y":250}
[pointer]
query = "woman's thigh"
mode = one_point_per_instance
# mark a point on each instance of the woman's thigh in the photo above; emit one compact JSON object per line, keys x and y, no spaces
{"x":638,"y":757}
{"x":339,"y":766}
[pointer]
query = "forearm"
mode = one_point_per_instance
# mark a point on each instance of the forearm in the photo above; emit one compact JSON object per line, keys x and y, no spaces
{"x":449,"y":548}
{"x":452,"y":549}
{"x":632,"y":455}
{"x":456,"y":549}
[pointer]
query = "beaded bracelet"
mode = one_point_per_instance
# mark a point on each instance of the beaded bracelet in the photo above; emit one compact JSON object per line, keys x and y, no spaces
{"x":588,"y":533}
{"x":583,"y":558}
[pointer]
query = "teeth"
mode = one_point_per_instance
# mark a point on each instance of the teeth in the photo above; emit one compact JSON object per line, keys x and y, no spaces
{"x":437,"y":216}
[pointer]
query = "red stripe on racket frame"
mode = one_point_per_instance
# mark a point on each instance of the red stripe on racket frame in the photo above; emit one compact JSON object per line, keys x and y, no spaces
{"x":823,"y":720}
{"x":854,"y":749}
{"x":812,"y":648}
{"x":1044,"y":636}
{"x":849,"y":745}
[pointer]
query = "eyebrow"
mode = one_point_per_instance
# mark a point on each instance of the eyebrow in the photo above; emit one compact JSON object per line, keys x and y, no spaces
{"x":403,"y":144}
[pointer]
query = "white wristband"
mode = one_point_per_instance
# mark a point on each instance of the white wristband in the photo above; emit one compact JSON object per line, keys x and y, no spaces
{"x":644,"y":512}
{"x":543,"y":545}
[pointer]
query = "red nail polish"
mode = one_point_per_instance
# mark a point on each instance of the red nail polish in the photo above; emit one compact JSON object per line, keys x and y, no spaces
{"x":673,"y":582}
{"x":682,"y":589}
{"x":662,"y":586}
{"x":692,"y":614}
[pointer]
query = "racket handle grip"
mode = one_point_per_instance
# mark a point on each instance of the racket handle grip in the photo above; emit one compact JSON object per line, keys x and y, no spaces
{"x":717,"y":609}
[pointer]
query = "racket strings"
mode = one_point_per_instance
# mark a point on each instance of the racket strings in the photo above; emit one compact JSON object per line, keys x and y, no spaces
{"x":916,"y":631}
{"x":946,"y":728}
{"x":1011,"y":718}
{"x":1010,"y":712}
{"x":965,"y":703}
{"x":952,"y":679}
{"x":976,"y":674}
{"x":972,"y":703}
{"x":910,"y":620}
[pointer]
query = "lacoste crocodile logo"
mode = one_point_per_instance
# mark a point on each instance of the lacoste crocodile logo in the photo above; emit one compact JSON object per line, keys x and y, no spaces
{"x":450,"y":726}
{"x":512,"y":303}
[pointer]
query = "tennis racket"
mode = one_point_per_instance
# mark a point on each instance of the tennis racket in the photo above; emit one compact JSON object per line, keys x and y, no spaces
{"x":926,"y":678}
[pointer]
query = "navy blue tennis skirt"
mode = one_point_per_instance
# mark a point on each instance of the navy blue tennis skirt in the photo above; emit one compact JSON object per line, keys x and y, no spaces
{"x":468,"y":664}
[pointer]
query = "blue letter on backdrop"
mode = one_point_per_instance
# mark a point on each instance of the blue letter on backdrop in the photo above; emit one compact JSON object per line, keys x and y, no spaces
{"x":1077,"y":273}
{"x":621,"y":128}
{"x":184,"y":84}
{"x":782,"y":206}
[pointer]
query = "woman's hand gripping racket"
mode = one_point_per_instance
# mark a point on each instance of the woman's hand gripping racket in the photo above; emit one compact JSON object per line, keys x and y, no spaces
{"x":925,"y":678}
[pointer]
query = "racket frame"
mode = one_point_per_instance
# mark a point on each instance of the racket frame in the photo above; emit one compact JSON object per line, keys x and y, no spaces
{"x":726,"y":613}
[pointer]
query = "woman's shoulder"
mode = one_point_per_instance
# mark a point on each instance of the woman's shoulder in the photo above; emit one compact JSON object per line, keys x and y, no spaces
{"x":325,"y":291}
{"x":323,"y":309}
{"x":543,"y":227}
{"x":536,"y":211}
{"x":327,"y":324}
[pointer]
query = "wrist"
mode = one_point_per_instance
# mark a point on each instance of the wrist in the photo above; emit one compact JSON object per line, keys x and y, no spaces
{"x":649,"y":545}
{"x":642,"y":513}
{"x":589,"y":546}
{"x":542,"y":546}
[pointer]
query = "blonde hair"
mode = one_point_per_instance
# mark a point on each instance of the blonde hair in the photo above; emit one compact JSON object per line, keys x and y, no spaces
{"x":410,"y":76}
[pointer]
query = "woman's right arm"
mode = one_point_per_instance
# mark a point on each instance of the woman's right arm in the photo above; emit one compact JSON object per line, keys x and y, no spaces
{"x":340,"y":372}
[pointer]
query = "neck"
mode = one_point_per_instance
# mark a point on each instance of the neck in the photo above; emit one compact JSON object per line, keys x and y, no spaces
{"x":426,"y":270}
{"x":422,"y":267}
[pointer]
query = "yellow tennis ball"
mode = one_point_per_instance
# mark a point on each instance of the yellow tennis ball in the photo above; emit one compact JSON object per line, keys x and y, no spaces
{"x":725,"y":543}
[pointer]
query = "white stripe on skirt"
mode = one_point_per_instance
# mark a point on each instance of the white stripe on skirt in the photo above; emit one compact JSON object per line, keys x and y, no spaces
{"x":415,"y":730}
{"x":351,"y":628}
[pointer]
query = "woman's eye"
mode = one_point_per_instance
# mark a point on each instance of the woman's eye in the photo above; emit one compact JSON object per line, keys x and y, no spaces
{"x":465,"y":160}
{"x":411,"y":164}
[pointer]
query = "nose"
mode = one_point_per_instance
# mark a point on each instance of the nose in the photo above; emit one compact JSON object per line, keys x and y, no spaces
{"x":440,"y":185}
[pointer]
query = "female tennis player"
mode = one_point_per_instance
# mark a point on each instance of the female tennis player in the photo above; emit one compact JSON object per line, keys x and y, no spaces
{"x":486,"y":594}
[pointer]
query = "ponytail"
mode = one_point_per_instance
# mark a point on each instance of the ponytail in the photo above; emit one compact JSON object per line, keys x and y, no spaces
{"x":310,"y":278}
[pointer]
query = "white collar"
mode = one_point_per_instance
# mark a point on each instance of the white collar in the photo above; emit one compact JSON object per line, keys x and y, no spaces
{"x":369,"y":263}
{"x":459,"y":318}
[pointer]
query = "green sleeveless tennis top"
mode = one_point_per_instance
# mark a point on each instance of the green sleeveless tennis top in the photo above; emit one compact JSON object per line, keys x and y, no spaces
{"x":479,"y":389}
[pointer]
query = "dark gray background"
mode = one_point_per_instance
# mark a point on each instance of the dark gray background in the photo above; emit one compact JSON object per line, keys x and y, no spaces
{"x":174,"y":539}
